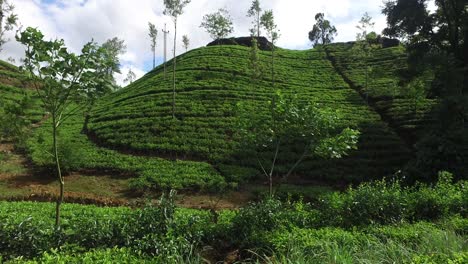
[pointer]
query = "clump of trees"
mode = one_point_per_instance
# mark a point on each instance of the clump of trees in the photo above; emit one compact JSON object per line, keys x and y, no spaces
{"x":437,"y":42}
{"x":323,"y":31}
{"x":218,"y":24}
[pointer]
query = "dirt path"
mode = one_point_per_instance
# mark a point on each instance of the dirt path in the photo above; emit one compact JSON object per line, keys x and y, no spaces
{"x":19,"y":181}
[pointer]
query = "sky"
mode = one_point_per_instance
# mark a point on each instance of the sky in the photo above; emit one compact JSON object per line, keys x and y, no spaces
{"x":80,"y":21}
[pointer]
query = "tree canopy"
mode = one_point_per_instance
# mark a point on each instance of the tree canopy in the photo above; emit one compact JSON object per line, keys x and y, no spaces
{"x":323,"y":31}
{"x":255,"y":12}
{"x":153,"y":34}
{"x":8,"y":20}
{"x":218,"y":24}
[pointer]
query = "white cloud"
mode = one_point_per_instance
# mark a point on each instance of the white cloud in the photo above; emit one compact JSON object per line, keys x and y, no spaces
{"x":79,"y":21}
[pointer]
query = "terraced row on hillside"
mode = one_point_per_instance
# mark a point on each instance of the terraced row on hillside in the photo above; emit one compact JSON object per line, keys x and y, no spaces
{"x":384,"y":91}
{"x":14,"y":86}
{"x":210,"y":82}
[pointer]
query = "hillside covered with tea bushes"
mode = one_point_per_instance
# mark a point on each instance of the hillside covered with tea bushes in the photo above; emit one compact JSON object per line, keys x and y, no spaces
{"x":211,"y":81}
{"x":16,"y":89}
{"x":386,"y":90}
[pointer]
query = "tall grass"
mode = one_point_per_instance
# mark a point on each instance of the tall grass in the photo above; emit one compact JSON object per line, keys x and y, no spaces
{"x":441,"y":245}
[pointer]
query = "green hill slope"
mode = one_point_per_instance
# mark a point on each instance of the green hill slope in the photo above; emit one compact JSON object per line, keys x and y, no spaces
{"x":14,"y":86}
{"x":385,"y":92}
{"x":210,"y":82}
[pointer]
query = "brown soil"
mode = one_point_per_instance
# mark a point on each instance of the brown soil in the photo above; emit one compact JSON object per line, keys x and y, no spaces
{"x":94,"y":187}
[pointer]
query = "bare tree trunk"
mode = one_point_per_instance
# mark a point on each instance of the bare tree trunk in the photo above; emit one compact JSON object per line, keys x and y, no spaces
{"x":59,"y":172}
{"x":174,"y":70}
{"x":1,"y":18}
{"x":273,"y":64}
{"x":154,"y":58}
{"x":270,"y":176}
{"x":258,"y":25}
{"x":297,"y":162}
{"x":465,"y":59}
{"x":367,"y":80}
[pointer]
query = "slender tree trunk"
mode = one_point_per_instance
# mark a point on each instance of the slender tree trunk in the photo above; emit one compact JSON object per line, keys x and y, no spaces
{"x":1,"y":19}
{"x":465,"y":59}
{"x":174,"y":71}
{"x":272,"y":169}
{"x":297,"y":162}
{"x":154,"y":58}
{"x":367,"y":80}
{"x":272,"y":64}
{"x":59,"y":172}
{"x":258,"y":25}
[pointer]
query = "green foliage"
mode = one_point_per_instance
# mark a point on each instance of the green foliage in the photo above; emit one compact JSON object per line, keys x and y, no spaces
{"x":174,"y":8}
{"x":287,"y":120}
{"x":161,"y":232}
{"x":267,"y":21}
{"x":110,"y":51}
{"x":8,"y":20}
{"x":369,"y":204}
{"x":346,"y":227}
{"x":362,"y":48}
{"x":61,"y":78}
{"x":331,"y":245}
{"x":254,"y":62}
{"x":365,"y":24}
{"x":323,"y":31}
{"x":153,"y":34}
{"x":218,"y":25}
{"x":440,"y":150}
{"x":112,"y":255}
{"x":14,"y":121}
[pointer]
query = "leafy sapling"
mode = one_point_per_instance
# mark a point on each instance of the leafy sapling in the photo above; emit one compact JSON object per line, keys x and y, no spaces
{"x":286,"y":120}
{"x":62,"y":81}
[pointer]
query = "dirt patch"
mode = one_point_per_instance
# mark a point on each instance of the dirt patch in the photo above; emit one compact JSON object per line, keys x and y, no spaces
{"x":6,"y":147}
{"x":231,"y":200}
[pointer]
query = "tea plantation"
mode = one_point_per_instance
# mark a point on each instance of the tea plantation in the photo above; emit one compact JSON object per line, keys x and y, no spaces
{"x":385,"y":90}
{"x":14,"y":87}
{"x":210,"y":83}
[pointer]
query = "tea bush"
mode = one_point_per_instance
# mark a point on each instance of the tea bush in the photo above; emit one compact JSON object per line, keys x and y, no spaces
{"x":374,"y":222}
